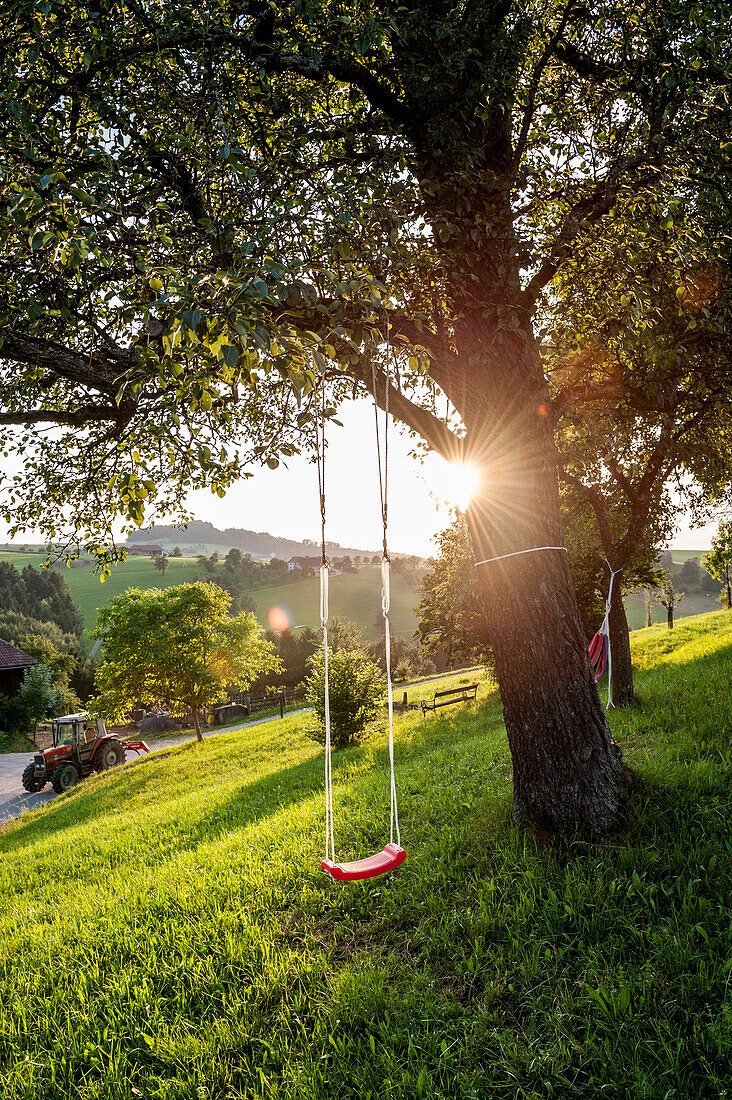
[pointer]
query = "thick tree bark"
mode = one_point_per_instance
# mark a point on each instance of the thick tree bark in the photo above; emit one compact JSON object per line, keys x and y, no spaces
{"x":197,"y":724}
{"x":670,"y":617}
{"x":567,"y":770}
{"x":621,"y":685}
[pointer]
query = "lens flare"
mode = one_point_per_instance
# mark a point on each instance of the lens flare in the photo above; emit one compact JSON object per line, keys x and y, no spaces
{"x":278,"y":619}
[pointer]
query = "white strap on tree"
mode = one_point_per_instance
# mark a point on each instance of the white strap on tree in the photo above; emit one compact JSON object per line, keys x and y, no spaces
{"x":385,"y":604}
{"x":517,"y":553}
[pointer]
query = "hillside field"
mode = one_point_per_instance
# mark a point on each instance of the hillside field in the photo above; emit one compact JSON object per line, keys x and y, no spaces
{"x":354,"y":596}
{"x":168,"y":933}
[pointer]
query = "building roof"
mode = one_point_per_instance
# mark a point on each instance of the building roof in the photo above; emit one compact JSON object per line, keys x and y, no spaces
{"x":10,"y":657}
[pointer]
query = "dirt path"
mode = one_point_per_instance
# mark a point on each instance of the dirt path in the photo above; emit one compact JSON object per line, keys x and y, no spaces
{"x":14,"y":800}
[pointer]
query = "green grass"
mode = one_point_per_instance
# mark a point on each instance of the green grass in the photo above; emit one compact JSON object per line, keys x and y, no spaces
{"x":167,"y":932}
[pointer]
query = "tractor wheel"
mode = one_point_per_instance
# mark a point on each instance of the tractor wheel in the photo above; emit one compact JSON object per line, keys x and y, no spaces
{"x":64,"y":778}
{"x":110,"y":755}
{"x":31,"y":782}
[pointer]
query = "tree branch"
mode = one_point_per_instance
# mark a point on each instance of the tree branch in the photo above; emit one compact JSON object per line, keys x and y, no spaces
{"x":584,"y":212}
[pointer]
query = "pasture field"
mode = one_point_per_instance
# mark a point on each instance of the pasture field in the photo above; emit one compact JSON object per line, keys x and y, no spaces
{"x":167,"y":931}
{"x":354,"y":596}
{"x":692,"y":604}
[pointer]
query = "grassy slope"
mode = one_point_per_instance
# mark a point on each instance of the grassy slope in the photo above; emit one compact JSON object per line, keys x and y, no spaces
{"x":167,"y":932}
{"x":353,"y":596}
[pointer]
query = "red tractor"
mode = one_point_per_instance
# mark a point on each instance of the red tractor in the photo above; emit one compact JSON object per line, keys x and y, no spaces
{"x":81,"y":746}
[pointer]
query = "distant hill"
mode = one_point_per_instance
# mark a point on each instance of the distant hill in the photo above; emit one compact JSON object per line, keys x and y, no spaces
{"x":199,"y":535}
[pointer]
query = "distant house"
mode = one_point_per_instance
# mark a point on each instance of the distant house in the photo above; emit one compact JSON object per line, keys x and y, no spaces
{"x":302,"y":564}
{"x":149,"y":549}
{"x":13,"y":663}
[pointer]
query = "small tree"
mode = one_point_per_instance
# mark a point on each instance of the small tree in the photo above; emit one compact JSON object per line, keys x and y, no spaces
{"x":177,"y":552}
{"x":160,"y":561}
{"x":37,"y":694}
{"x":718,"y":562}
{"x":176,"y":646}
{"x":356,"y":691}
{"x":669,"y":599}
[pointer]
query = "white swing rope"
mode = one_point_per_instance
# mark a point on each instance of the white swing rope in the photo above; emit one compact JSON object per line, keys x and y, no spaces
{"x":605,"y":629}
{"x":320,"y":456}
{"x":386,"y":579}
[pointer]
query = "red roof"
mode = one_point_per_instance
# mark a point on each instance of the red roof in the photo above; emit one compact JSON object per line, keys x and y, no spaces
{"x":10,"y":657}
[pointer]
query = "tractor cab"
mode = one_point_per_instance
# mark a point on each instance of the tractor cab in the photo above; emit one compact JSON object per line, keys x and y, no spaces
{"x":78,"y":731}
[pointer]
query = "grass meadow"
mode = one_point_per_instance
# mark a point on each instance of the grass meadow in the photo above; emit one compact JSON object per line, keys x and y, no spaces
{"x":167,"y":931}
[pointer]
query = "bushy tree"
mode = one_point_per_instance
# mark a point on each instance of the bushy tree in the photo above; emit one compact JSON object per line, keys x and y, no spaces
{"x":718,"y":562}
{"x":669,"y":598}
{"x":178,"y":646}
{"x":40,"y":594}
{"x":160,"y":561}
{"x":38,"y":694}
{"x":450,"y":614}
{"x":407,"y":660}
{"x":356,"y":691}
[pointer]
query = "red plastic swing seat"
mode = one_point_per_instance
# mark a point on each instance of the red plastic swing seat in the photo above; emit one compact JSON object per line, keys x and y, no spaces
{"x":392,"y":857}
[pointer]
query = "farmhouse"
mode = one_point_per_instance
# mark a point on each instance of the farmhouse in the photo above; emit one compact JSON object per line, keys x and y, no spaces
{"x":302,"y":564}
{"x":147,"y":549}
{"x":13,"y":663}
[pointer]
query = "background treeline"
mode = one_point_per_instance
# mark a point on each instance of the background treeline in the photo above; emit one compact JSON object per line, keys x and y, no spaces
{"x":249,"y":542}
{"x":39,"y":615}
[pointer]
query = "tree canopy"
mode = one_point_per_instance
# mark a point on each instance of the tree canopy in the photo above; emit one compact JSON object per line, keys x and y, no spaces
{"x":178,"y":647}
{"x":718,"y":562}
{"x":201,"y":200}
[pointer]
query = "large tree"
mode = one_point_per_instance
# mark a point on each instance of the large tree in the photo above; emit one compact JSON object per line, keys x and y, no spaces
{"x":204,"y":206}
{"x":639,"y":356}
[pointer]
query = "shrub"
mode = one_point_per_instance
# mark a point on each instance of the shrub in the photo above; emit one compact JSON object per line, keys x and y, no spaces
{"x":356,"y":689}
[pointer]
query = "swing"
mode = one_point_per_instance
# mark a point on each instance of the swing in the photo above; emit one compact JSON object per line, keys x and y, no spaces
{"x":392,"y":855}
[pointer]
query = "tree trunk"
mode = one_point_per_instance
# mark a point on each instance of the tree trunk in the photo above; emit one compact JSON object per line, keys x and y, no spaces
{"x":729,"y":591}
{"x":670,"y":617}
{"x":649,"y":606}
{"x":621,"y":684}
{"x":197,"y":724}
{"x":567,"y":771}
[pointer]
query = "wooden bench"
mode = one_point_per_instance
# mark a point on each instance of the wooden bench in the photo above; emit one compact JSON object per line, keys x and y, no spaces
{"x":466,"y":693}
